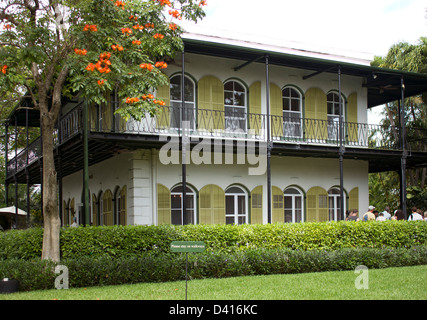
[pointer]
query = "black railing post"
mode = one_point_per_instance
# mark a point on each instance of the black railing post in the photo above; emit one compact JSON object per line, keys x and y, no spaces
{"x":341,"y":146}
{"x":404,"y":151}
{"x":269,"y":143}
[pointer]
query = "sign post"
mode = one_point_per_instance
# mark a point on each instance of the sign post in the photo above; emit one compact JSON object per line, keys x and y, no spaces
{"x":186,"y":247}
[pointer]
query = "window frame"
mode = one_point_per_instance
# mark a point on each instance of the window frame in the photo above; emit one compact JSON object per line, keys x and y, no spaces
{"x":189,"y":192}
{"x":243,"y":107}
{"x":190,"y":106}
{"x":235,"y":215}
{"x":286,"y":124}
{"x":293,"y":208}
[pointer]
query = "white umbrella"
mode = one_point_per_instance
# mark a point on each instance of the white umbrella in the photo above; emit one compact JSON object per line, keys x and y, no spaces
{"x":12,"y":210}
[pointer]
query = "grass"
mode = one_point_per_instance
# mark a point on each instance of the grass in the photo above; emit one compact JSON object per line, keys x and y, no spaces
{"x":402,"y":283}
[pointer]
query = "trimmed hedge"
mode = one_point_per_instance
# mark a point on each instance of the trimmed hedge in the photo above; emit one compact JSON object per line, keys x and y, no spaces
{"x":150,"y":267}
{"x":121,"y":241}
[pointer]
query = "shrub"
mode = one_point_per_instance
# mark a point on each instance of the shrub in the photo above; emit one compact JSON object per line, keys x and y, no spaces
{"x":98,"y":271}
{"x":119,"y":241}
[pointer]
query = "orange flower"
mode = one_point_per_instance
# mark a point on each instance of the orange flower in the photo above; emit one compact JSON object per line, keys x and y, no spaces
{"x":126,"y":31}
{"x":80,"y":52}
{"x":7,"y":27}
{"x":173,"y":26}
{"x":120,"y":4}
{"x":90,"y":27}
{"x":202,"y":3}
{"x":149,"y":25}
{"x":161,"y":65}
{"x":136,"y":42}
{"x":165,"y":2}
{"x":158,"y":36}
{"x":4,"y":69}
{"x":175,"y":14}
{"x":100,"y":83}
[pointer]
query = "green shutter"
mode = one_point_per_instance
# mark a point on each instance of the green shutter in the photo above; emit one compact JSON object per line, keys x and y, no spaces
{"x":256,"y":205}
{"x":276,"y":111}
{"x":163,"y":113}
{"x":316,"y":114}
{"x":211,"y":205}
{"x":255,"y":118}
{"x":353,"y":202}
{"x":317,"y":205}
{"x":210,"y":103}
{"x":163,"y":205}
{"x":278,"y":213}
{"x":352,"y":129}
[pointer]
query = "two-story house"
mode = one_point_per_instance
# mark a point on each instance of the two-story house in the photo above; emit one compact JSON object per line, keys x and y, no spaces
{"x":257,"y":134}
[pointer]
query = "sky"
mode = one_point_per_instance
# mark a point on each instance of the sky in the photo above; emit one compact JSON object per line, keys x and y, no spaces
{"x":370,"y":27}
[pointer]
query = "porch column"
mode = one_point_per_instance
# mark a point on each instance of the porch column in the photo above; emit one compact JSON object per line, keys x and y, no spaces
{"x":341,"y":146}
{"x":6,"y":148}
{"x":183,"y":143}
{"x":16,"y":170}
{"x":404,"y":150}
{"x":86,"y":165}
{"x":27,"y":174}
{"x":269,"y":143}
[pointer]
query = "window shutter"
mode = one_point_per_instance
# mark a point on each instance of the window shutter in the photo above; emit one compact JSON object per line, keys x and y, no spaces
{"x":276,"y":111}
{"x":163,"y":205}
{"x":211,"y":205}
{"x":352,"y":129}
{"x":163,"y":113}
{"x":94,"y":210}
{"x":255,"y":118}
{"x":107,"y":208}
{"x":317,"y":205}
{"x":210,"y":103}
{"x":256,"y":205}
{"x":316,"y":114}
{"x":353,"y":202}
{"x":278,"y":213}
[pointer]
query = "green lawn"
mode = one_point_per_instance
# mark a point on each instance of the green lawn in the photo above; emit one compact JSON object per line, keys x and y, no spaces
{"x":384,"y":284}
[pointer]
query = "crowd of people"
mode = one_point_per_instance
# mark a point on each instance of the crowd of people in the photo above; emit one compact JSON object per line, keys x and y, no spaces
{"x":373,"y":214}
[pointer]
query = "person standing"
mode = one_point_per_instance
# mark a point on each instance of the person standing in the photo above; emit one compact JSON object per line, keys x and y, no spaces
{"x":415,"y":215}
{"x":369,"y":215}
{"x":386,"y":213}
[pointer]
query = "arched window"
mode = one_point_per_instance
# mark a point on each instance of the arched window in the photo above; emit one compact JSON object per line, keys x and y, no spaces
{"x":176,"y":101}
{"x":178,"y":216}
{"x":235,"y":106}
{"x":335,"y":213}
{"x":293,"y":205}
{"x":334,"y":115}
{"x":292,"y":112}
{"x":236,"y":206}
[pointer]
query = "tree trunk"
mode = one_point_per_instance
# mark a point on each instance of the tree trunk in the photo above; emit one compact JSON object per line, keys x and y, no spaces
{"x":52,"y":222}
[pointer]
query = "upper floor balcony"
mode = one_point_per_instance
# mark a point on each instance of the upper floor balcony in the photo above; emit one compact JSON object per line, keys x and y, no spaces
{"x":213,"y":124}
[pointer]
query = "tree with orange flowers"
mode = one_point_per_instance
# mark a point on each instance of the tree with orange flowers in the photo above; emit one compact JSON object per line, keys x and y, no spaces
{"x":54,"y":48}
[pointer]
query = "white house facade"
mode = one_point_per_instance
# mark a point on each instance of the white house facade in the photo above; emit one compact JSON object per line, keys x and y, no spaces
{"x":262,"y":135}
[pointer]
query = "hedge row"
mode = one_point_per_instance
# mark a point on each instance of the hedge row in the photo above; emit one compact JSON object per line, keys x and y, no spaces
{"x":88,"y":271}
{"x":121,"y":241}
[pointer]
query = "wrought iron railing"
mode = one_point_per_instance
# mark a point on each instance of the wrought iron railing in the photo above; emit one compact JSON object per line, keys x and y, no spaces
{"x":220,"y":124}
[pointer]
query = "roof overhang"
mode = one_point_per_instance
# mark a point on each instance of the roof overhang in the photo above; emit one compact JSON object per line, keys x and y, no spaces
{"x":383,"y":85}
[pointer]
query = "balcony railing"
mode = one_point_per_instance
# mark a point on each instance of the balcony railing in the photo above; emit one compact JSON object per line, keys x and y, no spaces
{"x":220,"y":124}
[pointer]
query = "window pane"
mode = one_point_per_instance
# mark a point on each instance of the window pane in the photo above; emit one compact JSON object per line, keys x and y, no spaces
{"x":229,"y":205}
{"x":286,"y":104}
{"x":241,"y":205}
{"x":234,"y":190}
{"x":228,"y":86}
{"x":229,"y":220}
{"x":288,"y":215}
{"x":295,"y":105}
